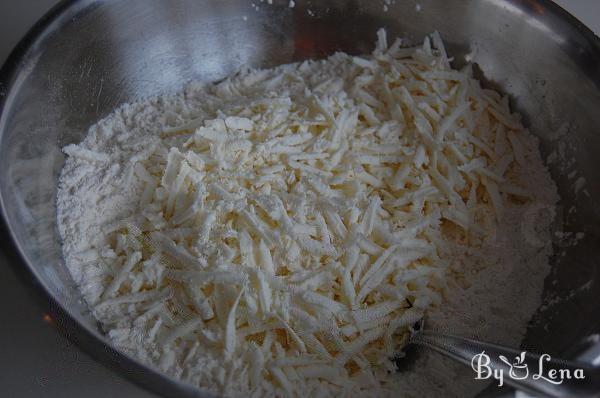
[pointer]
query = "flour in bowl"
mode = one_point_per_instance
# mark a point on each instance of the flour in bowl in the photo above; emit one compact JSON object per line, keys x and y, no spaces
{"x":278,"y":233}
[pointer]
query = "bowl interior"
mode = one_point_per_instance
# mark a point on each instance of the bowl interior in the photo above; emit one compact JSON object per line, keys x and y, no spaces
{"x":88,"y":57}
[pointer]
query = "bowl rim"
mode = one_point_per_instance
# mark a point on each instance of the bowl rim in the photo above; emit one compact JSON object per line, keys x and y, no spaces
{"x":86,"y":339}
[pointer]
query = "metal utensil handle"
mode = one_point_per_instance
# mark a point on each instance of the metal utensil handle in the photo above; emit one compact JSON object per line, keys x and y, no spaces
{"x":530,"y":372}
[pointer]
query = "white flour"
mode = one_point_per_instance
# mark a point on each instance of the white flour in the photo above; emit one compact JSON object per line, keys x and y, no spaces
{"x":494,"y":285}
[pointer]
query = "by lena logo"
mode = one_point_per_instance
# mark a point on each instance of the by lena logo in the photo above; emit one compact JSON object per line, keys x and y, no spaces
{"x":519,"y":369}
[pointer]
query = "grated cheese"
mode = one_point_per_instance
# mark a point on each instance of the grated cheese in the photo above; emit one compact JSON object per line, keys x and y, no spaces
{"x":285,"y":236}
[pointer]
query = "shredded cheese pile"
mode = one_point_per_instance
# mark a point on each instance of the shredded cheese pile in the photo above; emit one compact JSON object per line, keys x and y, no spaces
{"x":285,"y":245}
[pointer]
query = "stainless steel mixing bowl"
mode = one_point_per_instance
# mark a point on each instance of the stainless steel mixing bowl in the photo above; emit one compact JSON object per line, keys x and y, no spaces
{"x":86,"y":57}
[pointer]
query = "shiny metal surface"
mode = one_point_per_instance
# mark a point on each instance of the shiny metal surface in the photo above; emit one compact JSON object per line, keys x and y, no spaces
{"x":86,"y":57}
{"x":464,"y":350}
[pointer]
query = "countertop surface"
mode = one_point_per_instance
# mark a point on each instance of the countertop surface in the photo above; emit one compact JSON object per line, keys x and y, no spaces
{"x":37,"y":361}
